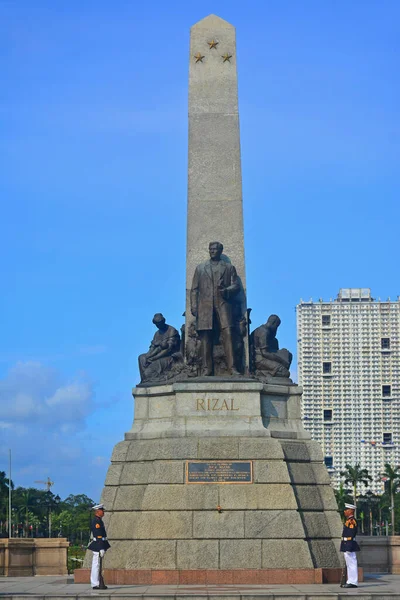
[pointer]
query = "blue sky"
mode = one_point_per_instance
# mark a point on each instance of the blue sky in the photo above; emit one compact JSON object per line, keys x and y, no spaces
{"x":93,"y":143}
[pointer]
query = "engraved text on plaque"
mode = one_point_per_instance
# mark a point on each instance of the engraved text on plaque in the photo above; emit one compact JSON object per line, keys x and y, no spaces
{"x":219,"y":471}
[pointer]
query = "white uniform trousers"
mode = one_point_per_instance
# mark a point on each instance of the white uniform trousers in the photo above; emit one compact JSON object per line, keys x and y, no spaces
{"x":352,"y":567}
{"x":95,"y":572}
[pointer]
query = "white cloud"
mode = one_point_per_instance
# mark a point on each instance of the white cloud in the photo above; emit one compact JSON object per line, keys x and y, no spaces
{"x":43,"y":420}
{"x":34,"y":393}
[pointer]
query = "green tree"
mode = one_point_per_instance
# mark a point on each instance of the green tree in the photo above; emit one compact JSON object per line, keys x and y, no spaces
{"x":80,"y":501}
{"x":383,"y":509}
{"x":35,"y":522}
{"x":31,"y":500}
{"x":369,"y":505}
{"x":4,"y":482}
{"x":79,"y":507}
{"x":4,"y":487}
{"x":25,"y":504}
{"x":342,"y":496}
{"x":355,"y":475}
{"x":46,"y":512}
{"x":392,"y":477}
{"x":63,"y":523}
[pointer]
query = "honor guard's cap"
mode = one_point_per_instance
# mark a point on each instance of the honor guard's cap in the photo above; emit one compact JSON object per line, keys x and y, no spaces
{"x":98,"y":507}
{"x":353,"y":506}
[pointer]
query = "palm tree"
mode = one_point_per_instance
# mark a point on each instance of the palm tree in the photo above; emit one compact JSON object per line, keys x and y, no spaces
{"x":392,"y":475}
{"x":342,"y":496}
{"x":25,"y":503}
{"x":4,"y":482}
{"x":35,"y":522}
{"x":355,"y":475}
{"x":383,"y":506}
{"x":4,"y":488}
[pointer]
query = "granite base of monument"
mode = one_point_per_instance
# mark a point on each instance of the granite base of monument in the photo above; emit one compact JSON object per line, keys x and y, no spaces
{"x":217,"y":479}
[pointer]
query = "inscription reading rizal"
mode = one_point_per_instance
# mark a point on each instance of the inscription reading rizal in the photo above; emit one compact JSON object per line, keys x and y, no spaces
{"x":215,"y":404}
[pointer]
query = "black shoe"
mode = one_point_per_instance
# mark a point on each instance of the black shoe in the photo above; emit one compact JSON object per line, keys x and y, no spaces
{"x":96,"y":587}
{"x":350,"y":585}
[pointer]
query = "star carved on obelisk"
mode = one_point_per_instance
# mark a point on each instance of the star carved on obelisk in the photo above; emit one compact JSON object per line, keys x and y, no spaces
{"x":213,"y":44}
{"x":227,"y":57}
{"x":198,"y":57}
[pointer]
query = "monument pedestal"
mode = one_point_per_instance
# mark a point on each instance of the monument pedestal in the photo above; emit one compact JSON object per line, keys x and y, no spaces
{"x":214,"y":407}
{"x":161,"y":524}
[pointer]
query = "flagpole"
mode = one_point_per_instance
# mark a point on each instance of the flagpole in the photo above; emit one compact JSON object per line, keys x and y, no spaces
{"x":9,"y":496}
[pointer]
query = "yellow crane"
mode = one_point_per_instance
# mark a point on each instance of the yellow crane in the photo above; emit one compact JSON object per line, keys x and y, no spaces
{"x":48,"y":483}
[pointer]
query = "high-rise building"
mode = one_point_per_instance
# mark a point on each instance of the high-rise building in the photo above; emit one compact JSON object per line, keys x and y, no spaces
{"x":349,"y":366}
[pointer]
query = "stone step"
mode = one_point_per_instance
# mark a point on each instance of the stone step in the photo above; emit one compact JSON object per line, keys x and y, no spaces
{"x":375,"y":587}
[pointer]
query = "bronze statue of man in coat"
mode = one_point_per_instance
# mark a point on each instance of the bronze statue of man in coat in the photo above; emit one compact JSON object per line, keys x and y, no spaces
{"x":215,"y":285}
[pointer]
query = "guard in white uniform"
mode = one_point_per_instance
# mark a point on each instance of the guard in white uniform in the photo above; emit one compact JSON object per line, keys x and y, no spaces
{"x":349,"y":546}
{"x":99,"y":545}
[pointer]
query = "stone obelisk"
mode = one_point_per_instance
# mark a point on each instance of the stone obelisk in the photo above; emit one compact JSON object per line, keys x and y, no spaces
{"x":215,"y":211}
{"x":217,"y":481}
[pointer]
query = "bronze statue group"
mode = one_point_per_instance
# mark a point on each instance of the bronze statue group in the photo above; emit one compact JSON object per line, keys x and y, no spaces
{"x":215,"y":341}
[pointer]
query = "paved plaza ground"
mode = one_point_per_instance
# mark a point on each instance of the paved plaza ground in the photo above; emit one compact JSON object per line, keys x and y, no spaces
{"x":375,"y":587}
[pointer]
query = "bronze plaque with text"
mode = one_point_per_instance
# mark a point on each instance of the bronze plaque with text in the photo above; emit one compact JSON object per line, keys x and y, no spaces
{"x":219,"y":471}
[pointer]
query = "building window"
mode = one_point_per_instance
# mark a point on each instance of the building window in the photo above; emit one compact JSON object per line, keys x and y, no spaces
{"x":386,"y":390}
{"x":327,"y":367}
{"x":328,"y":414}
{"x":328,"y":461}
{"x":387,"y":438}
{"x":326,"y":320}
{"x":385,"y":343}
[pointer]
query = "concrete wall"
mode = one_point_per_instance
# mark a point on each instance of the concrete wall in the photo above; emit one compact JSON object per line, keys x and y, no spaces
{"x":27,"y":557}
{"x":379,"y":554}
